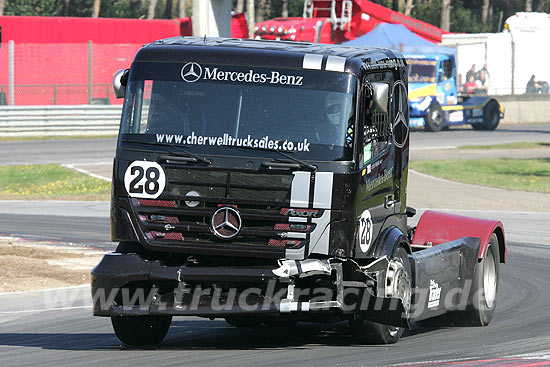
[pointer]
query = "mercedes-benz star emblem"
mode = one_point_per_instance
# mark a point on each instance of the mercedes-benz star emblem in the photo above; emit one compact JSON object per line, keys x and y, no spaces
{"x":400,"y":104}
{"x":226,"y":222}
{"x":191,"y":72}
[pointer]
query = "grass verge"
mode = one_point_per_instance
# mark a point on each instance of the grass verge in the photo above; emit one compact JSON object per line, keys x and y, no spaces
{"x":50,"y":182}
{"x":31,"y":266}
{"x":520,"y":145}
{"x":512,"y":174}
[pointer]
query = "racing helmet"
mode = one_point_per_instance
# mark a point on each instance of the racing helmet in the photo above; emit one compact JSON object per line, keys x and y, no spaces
{"x":335,"y":106}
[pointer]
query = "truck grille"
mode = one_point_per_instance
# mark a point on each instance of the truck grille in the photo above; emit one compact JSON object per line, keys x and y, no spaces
{"x":180,"y":219}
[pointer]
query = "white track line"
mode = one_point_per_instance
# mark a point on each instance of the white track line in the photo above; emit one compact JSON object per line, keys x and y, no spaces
{"x":70,"y":166}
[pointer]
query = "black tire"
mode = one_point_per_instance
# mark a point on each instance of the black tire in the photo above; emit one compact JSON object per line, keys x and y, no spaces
{"x":484,"y":289}
{"x":368,"y":332}
{"x":141,"y":330}
{"x":434,"y":119}
{"x":478,"y":126}
{"x":239,"y":322}
{"x":491,"y":115}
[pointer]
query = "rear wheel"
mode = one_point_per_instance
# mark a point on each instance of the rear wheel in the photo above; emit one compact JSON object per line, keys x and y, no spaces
{"x":141,"y":330}
{"x":491,"y":115}
{"x":398,"y":285}
{"x":484,"y":289}
{"x":434,"y":118}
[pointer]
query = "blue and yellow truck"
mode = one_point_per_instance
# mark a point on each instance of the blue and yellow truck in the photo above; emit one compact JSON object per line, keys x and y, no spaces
{"x":435,"y":102}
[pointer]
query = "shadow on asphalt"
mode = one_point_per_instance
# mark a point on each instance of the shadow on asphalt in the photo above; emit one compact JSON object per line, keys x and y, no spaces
{"x":205,"y":335}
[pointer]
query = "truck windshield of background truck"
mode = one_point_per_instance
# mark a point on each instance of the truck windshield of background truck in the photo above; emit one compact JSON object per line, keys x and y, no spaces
{"x":211,"y":108}
{"x":421,"y":71}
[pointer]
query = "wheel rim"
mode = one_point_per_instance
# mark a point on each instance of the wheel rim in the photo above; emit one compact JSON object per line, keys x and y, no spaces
{"x":393,"y":330}
{"x":436,"y":117}
{"x":490,"y":278}
{"x":398,"y":283}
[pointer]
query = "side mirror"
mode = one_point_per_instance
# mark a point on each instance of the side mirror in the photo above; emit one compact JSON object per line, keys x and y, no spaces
{"x":119,"y":82}
{"x":380,"y":96}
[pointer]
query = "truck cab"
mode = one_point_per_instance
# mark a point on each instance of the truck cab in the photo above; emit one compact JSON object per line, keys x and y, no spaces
{"x":263,"y":182}
{"x":435,"y":101}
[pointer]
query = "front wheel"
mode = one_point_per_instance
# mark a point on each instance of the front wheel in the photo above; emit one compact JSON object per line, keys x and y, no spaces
{"x":141,"y":330}
{"x":434,"y":119}
{"x":398,"y":285}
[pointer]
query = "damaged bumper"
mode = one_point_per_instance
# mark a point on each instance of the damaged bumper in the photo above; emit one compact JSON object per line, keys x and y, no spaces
{"x":126,"y":284}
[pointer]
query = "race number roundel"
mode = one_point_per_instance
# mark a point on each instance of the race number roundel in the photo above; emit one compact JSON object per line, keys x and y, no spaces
{"x":365,"y":231}
{"x":144,"y":180}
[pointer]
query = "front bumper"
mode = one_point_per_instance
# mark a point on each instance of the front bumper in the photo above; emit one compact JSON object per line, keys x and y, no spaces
{"x":127,"y":285}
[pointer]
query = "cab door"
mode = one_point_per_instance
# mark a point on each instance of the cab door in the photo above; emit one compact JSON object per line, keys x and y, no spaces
{"x":376,"y":160}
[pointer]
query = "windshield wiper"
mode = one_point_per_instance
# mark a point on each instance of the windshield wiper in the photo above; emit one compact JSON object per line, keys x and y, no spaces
{"x":309,"y":166}
{"x":275,"y":164}
{"x":189,"y":157}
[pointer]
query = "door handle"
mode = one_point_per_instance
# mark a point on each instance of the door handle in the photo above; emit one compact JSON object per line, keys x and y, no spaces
{"x":389,"y":201}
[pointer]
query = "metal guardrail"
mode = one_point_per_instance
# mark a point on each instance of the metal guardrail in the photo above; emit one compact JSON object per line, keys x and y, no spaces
{"x":59,"y":120}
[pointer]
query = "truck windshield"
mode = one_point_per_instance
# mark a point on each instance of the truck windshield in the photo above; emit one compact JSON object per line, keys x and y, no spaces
{"x":421,"y":71}
{"x":211,"y":108}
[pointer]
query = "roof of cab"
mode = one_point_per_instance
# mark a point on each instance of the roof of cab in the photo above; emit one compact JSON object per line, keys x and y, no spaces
{"x":264,"y":53}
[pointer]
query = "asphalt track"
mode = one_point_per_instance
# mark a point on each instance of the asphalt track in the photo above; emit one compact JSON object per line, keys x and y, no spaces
{"x":102,"y":150}
{"x":518,"y":336}
{"x":35,"y":331}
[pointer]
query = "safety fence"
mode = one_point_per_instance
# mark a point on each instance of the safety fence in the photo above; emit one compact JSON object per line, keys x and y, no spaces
{"x":59,"y":120}
{"x":61,"y":73}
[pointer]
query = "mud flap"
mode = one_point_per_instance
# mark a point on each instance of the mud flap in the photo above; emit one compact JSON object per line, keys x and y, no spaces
{"x":442,"y":277}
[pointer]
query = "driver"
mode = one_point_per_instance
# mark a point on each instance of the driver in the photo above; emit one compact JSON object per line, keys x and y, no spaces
{"x":330,"y":128}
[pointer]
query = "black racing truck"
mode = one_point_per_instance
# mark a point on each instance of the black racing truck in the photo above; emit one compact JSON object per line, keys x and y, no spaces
{"x":265,"y":182}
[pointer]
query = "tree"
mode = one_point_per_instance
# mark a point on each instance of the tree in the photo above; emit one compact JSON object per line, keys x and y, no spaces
{"x":240,"y":6}
{"x":181,"y":9}
{"x":2,"y":3}
{"x":528,"y":5}
{"x":151,"y":9}
{"x":251,"y":11}
{"x":97,"y":6}
{"x":445,"y":22}
{"x":263,"y":10}
{"x":485,"y":11}
{"x":168,"y":9}
{"x":284,"y":11}
{"x":408,"y":7}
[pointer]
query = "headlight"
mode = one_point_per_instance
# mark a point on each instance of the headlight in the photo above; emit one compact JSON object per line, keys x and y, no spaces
{"x":280,"y":29}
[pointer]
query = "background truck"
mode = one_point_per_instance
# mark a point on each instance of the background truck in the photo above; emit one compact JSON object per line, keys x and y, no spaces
{"x":435,"y":101}
{"x":266,"y":183}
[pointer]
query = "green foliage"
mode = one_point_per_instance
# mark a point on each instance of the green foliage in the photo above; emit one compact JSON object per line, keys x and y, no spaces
{"x":428,"y":11}
{"x":33,"y":7}
{"x":124,"y":9}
